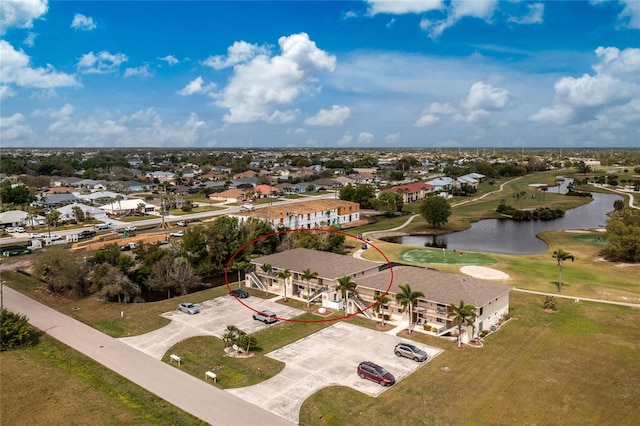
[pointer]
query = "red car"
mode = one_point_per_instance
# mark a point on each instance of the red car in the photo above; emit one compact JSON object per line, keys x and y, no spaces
{"x":371,"y":371}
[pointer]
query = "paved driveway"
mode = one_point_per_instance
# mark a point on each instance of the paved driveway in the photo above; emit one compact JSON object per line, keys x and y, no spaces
{"x":214,"y":317}
{"x":328,"y":358}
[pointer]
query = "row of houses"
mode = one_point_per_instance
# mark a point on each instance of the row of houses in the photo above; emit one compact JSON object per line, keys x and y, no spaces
{"x":374,"y":280}
{"x":416,"y":191}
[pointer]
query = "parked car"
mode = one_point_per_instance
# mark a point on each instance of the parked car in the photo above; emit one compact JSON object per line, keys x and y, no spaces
{"x":240,"y":293}
{"x":266,"y":317}
{"x":10,"y":229}
{"x":176,"y":233}
{"x":18,"y":229}
{"x":188,"y":308}
{"x":87,"y":233}
{"x":371,"y":371}
{"x":413,"y":352}
{"x":128,"y":246}
{"x":181,"y":223}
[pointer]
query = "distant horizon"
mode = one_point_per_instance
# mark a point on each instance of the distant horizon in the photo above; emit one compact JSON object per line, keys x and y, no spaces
{"x":414,"y":74}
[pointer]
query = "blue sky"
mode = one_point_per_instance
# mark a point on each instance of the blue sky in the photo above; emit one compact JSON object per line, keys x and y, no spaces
{"x":345,"y":74}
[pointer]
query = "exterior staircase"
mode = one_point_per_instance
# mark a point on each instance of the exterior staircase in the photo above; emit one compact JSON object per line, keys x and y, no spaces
{"x":361,"y":304}
{"x":257,"y":282}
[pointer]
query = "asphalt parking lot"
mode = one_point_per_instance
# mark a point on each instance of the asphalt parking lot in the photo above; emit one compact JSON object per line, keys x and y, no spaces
{"x":214,"y":317}
{"x":329,"y":358}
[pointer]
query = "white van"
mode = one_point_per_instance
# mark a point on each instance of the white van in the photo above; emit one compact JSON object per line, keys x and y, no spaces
{"x":103,"y":226}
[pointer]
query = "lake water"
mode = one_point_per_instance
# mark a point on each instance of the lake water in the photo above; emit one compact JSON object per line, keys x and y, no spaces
{"x":513,"y":237}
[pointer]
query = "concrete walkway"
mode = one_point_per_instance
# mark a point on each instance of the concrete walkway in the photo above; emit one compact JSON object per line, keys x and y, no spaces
{"x":193,"y":395}
{"x":577,"y":298}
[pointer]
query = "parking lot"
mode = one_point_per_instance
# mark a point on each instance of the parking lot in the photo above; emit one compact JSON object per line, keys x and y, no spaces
{"x":329,"y":358}
{"x":326,"y":358}
{"x":214,"y":317}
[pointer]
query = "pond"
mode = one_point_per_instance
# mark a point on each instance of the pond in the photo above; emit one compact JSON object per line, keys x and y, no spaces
{"x":513,"y":237}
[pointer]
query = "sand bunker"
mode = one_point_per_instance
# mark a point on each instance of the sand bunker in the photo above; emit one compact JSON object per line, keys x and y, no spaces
{"x":484,"y":273}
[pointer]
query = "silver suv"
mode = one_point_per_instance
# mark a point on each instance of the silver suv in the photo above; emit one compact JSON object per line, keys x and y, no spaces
{"x":408,"y":350}
{"x":266,"y":317}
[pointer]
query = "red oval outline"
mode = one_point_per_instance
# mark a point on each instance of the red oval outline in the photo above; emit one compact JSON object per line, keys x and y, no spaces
{"x":285,"y":231}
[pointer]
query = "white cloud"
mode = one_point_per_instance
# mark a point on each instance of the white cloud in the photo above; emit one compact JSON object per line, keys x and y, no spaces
{"x":630,"y":14}
{"x":365,"y":138}
{"x":259,"y":86}
{"x":535,"y":16}
{"x":239,"y":52}
{"x":346,"y":139}
{"x":401,"y":7}
{"x":426,"y":120}
{"x":13,"y":129}
{"x":31,"y":39}
{"x":6,"y":92}
{"x":20,"y":14}
{"x":102,"y":63}
{"x":484,"y":96}
{"x":392,"y":138}
{"x":458,"y":9}
{"x":141,"y":71}
{"x":333,"y":117}
{"x":170,"y":59}
{"x":83,"y":23}
{"x":589,"y":98}
{"x":16,"y":69}
{"x":196,"y":86}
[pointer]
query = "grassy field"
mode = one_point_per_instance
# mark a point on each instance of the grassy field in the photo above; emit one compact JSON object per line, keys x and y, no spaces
{"x":578,"y":365}
{"x":52,"y":384}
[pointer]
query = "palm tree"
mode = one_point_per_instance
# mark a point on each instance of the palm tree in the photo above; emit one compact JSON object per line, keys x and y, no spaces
{"x":408,"y":298}
{"x":266,"y":268}
{"x":462,"y":314}
{"x":345,"y":286}
{"x":561,"y":255}
{"x":285,"y":275}
{"x":307,"y":275}
{"x":382,"y":301}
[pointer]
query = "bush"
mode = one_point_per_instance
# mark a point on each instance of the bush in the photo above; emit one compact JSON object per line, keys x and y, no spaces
{"x":549,"y":303}
{"x":15,"y":331}
{"x":427,"y":328}
{"x":483,"y":333}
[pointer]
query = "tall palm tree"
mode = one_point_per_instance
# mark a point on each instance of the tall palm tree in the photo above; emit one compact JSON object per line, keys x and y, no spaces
{"x":346,"y":286}
{"x":307,"y":275}
{"x":382,"y":301}
{"x":266,"y":268}
{"x":119,"y":198}
{"x":285,"y":275}
{"x":462,"y":314}
{"x":408,"y":299}
{"x":561,"y":255}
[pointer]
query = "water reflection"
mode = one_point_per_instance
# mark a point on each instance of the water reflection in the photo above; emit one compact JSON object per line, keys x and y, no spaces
{"x":511,"y":237}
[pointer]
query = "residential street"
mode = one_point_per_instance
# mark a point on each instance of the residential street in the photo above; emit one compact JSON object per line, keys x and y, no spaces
{"x":186,"y":392}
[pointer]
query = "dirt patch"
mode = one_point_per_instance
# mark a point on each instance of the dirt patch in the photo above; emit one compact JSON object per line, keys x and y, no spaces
{"x":12,"y":266}
{"x":484,"y":273}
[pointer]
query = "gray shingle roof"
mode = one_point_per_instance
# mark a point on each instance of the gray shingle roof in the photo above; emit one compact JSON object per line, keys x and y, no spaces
{"x":328,"y":265}
{"x":437,"y":286}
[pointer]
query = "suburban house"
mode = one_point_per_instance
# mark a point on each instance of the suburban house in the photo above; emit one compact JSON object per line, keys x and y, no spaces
{"x":307,"y":214}
{"x":412,"y":191}
{"x":124,"y":207}
{"x":232,"y":195}
{"x":491,"y":300}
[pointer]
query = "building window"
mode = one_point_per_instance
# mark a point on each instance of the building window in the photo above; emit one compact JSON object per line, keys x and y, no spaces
{"x":481,"y":309}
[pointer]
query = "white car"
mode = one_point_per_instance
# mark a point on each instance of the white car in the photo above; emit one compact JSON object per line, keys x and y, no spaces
{"x":247,"y":207}
{"x":10,"y":229}
{"x":131,"y":228}
{"x":176,"y":233}
{"x":55,"y":237}
{"x":181,"y":223}
{"x":18,"y":229}
{"x":34,"y":235}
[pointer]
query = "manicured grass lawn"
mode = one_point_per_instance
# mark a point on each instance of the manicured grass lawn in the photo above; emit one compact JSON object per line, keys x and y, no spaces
{"x":575,"y":366}
{"x":52,"y":384}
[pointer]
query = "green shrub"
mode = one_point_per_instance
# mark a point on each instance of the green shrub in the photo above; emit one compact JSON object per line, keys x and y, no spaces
{"x":549,"y":303}
{"x":15,"y":331}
